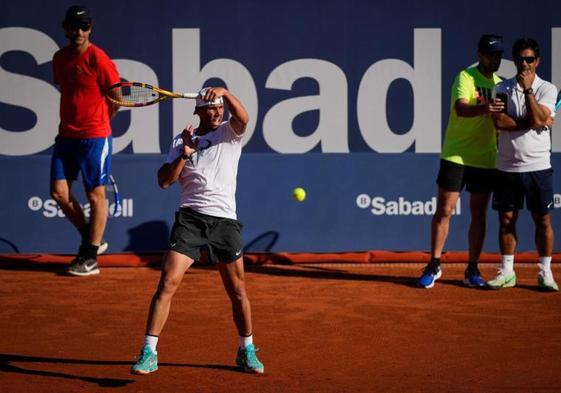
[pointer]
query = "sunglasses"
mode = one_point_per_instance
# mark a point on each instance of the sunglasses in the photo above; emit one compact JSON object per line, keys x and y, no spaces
{"x":84,"y":26}
{"x":527,"y":59}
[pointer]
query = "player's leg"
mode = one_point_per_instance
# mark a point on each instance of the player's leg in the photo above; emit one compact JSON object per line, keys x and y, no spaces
{"x":445,"y":204}
{"x":539,"y":192}
{"x":450,"y":183}
{"x":173,"y":270}
{"x":478,"y":205}
{"x":234,"y":283}
{"x":95,"y":163}
{"x":232,"y":275}
{"x":62,"y":194}
{"x":64,"y":171}
{"x":480,"y":182}
{"x":98,"y":214}
{"x":508,"y":198}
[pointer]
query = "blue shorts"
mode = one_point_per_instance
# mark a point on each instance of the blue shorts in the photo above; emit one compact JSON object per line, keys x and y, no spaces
{"x":91,"y":157}
{"x":513,"y":187}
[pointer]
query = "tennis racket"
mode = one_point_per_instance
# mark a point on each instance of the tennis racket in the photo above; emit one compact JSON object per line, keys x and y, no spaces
{"x":137,"y":94}
{"x":112,"y":188}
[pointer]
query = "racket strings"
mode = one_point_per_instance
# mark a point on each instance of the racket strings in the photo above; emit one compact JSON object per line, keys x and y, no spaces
{"x":134,"y":95}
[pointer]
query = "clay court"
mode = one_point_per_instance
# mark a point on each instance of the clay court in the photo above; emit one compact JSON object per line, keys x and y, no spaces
{"x":321,"y":328}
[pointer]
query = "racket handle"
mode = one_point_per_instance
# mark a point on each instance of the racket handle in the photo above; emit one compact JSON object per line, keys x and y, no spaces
{"x":190,"y":95}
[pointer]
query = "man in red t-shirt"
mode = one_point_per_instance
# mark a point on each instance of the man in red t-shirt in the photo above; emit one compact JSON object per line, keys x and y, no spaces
{"x":84,"y":144}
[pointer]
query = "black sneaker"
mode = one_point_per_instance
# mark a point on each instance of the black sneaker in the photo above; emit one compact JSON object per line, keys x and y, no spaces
{"x":81,"y":266}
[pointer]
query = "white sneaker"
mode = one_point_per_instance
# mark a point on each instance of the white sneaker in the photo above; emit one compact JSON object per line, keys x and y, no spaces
{"x":504,"y":279}
{"x":545,"y":279}
{"x":102,"y":247}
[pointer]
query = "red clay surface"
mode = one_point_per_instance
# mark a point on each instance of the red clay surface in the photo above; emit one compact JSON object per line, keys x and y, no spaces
{"x":321,"y":328}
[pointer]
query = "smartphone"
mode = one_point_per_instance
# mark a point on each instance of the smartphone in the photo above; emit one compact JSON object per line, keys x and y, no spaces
{"x":504,"y":98}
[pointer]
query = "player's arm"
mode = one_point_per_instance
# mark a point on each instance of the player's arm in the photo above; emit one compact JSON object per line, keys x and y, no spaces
{"x":238,"y":114}
{"x":506,"y":122}
{"x":170,"y":171}
{"x":538,"y":115}
{"x":464,"y":109}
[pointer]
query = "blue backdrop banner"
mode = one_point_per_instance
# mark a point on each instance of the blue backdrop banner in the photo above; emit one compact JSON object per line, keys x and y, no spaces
{"x":348,"y":99}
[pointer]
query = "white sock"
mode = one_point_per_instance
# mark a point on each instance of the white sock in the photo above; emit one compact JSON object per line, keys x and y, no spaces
{"x":245,"y":341}
{"x":507,"y":263}
{"x":151,"y":342}
{"x":545,"y":263}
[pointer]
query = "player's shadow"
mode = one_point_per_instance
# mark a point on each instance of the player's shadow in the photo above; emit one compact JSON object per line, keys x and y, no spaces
{"x":7,"y":365}
{"x":320,"y":272}
{"x":148,"y":237}
{"x":262,"y":243}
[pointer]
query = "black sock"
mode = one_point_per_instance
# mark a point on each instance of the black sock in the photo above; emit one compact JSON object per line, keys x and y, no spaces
{"x":89,"y":251}
{"x":472,"y":265}
{"x":85,"y":233}
{"x":435,"y":261}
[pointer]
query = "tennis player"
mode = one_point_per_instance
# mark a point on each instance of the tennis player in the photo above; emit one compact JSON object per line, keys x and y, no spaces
{"x":524,"y":163}
{"x":205,"y":162}
{"x":83,"y":144}
{"x":468,"y":159}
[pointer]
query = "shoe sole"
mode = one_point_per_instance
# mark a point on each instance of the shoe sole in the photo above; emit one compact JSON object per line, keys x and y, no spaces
{"x":252,"y":370}
{"x":470,"y":285}
{"x":90,"y":273}
{"x":142,"y":372}
{"x":508,"y":284}
{"x":436,"y":277}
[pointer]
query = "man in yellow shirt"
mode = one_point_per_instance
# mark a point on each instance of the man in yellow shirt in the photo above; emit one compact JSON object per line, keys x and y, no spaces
{"x":468,"y":158}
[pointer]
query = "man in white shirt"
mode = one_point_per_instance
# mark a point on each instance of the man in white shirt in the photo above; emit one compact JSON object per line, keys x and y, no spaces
{"x":523,"y":163}
{"x":205,"y":162}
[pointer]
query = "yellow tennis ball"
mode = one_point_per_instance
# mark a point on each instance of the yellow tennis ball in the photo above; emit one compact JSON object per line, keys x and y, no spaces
{"x":299,"y":194}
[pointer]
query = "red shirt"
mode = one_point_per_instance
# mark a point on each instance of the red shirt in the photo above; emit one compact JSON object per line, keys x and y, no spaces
{"x":83,"y":80}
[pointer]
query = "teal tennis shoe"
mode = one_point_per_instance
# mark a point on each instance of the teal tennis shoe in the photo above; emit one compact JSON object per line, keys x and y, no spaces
{"x":247,"y":360}
{"x":147,"y":362}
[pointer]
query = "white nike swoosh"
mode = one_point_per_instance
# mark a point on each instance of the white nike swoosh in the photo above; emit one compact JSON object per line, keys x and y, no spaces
{"x":80,"y":12}
{"x":549,"y":205}
{"x":492,"y":42}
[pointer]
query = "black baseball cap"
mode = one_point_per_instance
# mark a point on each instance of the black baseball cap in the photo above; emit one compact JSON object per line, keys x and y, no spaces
{"x":78,"y":14}
{"x":489,"y":43}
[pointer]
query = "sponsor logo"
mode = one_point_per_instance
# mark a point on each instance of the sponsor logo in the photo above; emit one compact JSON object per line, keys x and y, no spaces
{"x":380,"y":206}
{"x":50,"y":209}
{"x":557,"y":201}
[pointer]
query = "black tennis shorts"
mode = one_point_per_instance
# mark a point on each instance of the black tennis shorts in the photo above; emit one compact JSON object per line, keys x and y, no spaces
{"x":453,"y":177}
{"x":193,"y":231}
{"x":536,"y":187}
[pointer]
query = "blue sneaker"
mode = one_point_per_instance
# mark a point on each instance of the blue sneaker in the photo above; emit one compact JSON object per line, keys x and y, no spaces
{"x":431,"y":273}
{"x":472,"y":277}
{"x":147,"y":362}
{"x":247,"y":360}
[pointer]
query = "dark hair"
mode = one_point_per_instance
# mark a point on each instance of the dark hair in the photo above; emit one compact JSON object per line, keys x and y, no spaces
{"x":525,"y":43}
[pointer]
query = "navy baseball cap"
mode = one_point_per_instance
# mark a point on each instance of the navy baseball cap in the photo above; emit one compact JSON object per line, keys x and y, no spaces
{"x":489,"y":43}
{"x":78,"y":14}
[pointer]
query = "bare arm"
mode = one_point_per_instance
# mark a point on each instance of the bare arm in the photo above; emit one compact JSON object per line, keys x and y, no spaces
{"x":169,"y":172}
{"x":239,"y":116}
{"x":538,"y":115}
{"x":505,"y":122}
{"x":464,"y":109}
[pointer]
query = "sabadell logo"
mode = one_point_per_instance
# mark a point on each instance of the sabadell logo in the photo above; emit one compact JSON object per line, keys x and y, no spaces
{"x":50,"y":209}
{"x":380,"y":206}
